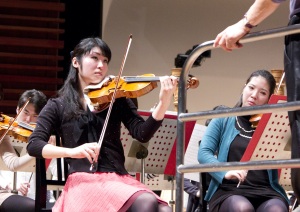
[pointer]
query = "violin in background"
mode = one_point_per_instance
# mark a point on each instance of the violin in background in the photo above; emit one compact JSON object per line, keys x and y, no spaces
{"x":255,"y":120}
{"x":18,"y":130}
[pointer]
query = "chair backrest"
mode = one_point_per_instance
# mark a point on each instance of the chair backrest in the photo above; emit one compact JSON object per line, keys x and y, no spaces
{"x":43,"y":184}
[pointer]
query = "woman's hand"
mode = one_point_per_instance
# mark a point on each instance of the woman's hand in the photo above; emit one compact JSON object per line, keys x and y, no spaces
{"x":23,"y":189}
{"x":168,"y":85}
{"x":229,"y":38}
{"x":87,"y":150}
{"x":236,"y":174}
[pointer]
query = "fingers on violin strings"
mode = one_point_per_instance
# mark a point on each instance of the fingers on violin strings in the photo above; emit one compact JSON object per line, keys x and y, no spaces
{"x":169,"y":81}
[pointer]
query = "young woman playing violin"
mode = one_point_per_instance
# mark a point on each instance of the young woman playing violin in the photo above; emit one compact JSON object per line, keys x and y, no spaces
{"x":9,"y":156}
{"x":107,"y":186}
{"x":241,"y":190}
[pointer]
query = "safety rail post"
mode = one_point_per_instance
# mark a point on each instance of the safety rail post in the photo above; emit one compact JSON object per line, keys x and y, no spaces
{"x":256,"y":36}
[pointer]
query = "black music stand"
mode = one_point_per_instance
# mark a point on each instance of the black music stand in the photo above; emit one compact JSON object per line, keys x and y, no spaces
{"x":272,"y":140}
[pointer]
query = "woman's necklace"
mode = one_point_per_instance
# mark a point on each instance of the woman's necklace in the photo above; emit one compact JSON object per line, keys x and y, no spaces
{"x":243,"y":129}
{"x":245,"y":136}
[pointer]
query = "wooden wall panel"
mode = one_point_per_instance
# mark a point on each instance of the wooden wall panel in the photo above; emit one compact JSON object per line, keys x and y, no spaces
{"x":31,"y":43}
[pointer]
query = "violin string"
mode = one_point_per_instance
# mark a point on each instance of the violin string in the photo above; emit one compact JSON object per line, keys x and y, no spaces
{"x":11,"y":123}
{"x":26,"y":126}
{"x":100,"y":141}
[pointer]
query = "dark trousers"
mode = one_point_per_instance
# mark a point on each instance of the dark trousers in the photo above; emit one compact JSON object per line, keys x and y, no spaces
{"x":292,"y":72}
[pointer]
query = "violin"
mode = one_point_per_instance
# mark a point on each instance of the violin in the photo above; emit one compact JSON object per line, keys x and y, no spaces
{"x":129,"y":87}
{"x":18,"y":130}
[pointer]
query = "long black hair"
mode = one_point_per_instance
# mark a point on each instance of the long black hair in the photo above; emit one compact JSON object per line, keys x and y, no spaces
{"x":265,"y":74}
{"x":71,"y":92}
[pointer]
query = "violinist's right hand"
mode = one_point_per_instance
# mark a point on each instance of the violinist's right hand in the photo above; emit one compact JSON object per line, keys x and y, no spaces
{"x":87,"y":150}
{"x":240,"y":175}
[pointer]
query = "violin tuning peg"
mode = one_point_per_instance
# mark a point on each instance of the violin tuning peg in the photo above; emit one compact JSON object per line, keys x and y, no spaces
{"x":193,"y":83}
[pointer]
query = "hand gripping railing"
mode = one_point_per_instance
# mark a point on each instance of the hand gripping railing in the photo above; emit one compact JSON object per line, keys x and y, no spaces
{"x":183,"y":116}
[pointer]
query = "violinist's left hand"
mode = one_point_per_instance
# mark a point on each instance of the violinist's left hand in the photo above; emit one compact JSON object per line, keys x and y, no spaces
{"x":168,"y":85}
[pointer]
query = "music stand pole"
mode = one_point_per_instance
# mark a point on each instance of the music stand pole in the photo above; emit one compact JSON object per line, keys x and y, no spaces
{"x":15,"y":191}
{"x":142,"y":153}
{"x":172,"y":201}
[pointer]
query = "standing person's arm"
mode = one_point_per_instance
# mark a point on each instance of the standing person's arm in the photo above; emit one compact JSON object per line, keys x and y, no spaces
{"x":229,"y":38}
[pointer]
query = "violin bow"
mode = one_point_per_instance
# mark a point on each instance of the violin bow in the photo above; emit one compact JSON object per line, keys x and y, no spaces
{"x":281,"y":80}
{"x":100,"y":141}
{"x":12,"y":121}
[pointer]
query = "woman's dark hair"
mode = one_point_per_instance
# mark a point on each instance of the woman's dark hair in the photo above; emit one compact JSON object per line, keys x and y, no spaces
{"x":71,"y":92}
{"x":265,"y":74}
{"x":37,"y":98}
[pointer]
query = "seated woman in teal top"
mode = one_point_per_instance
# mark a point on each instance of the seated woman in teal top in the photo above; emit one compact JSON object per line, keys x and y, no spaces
{"x":241,"y":190}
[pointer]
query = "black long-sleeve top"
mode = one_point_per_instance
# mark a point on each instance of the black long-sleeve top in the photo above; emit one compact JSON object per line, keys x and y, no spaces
{"x":87,"y":128}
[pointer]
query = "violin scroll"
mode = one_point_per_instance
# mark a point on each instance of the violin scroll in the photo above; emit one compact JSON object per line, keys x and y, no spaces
{"x":193,"y":82}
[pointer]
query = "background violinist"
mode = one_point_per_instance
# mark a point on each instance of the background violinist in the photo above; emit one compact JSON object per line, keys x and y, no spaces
{"x":229,"y":38}
{"x":15,"y":162}
{"x":241,"y":190}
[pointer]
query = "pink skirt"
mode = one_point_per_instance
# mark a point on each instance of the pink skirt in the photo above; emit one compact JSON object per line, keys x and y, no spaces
{"x":107,"y":192}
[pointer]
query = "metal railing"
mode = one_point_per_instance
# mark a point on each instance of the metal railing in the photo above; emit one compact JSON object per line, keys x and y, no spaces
{"x":183,"y":117}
